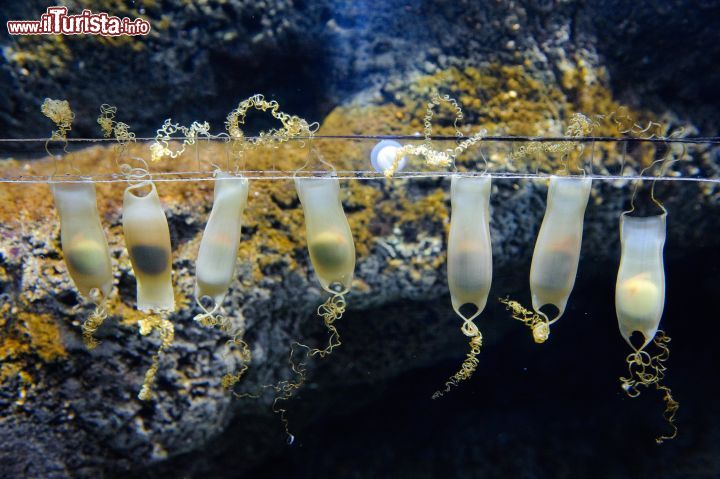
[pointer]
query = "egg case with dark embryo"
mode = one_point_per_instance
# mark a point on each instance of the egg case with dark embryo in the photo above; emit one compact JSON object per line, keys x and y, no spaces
{"x":147,"y":238}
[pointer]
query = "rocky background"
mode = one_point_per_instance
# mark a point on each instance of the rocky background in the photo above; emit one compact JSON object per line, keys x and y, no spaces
{"x":554,"y":410}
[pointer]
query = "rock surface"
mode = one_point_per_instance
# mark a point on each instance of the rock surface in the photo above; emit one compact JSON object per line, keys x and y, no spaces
{"x":203,"y":57}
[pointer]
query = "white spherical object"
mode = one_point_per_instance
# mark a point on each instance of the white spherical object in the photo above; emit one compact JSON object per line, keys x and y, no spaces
{"x":638,"y":297}
{"x":383,"y":155}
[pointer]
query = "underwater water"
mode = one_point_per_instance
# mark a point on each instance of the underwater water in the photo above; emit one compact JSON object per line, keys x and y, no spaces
{"x":361,"y":239}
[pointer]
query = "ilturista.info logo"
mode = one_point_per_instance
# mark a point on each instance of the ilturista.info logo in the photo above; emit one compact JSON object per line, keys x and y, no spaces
{"x":56,"y":21}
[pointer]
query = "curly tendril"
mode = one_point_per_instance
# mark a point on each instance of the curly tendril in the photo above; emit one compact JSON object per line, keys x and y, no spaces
{"x":469,"y":365}
{"x":59,"y":113}
{"x":134,"y":175}
{"x":167,"y":334}
{"x":292,"y":126}
{"x":95,"y":320}
{"x":62,"y":116}
{"x":436,"y":158}
{"x":123,"y":136}
{"x":538,"y":324}
{"x":210,"y":319}
{"x":106,"y":120}
{"x":330,"y":311}
{"x":437,"y":100}
{"x":285,"y":389}
{"x":161,"y":147}
{"x":229,"y":380}
{"x":579,"y":126}
{"x":628,"y":126}
{"x":646,"y":370}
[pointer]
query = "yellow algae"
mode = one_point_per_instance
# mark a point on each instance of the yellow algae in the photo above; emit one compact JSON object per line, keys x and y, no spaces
{"x":164,"y":23}
{"x":135,"y":43}
{"x":430,"y":208}
{"x":48,"y":52}
{"x":44,"y":335}
{"x":361,"y":204}
{"x":509,"y":99}
{"x":25,"y":336}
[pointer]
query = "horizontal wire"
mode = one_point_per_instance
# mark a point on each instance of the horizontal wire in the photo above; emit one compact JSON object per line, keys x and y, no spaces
{"x":358,"y":175}
{"x":180,"y":176}
{"x":586,"y":139}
